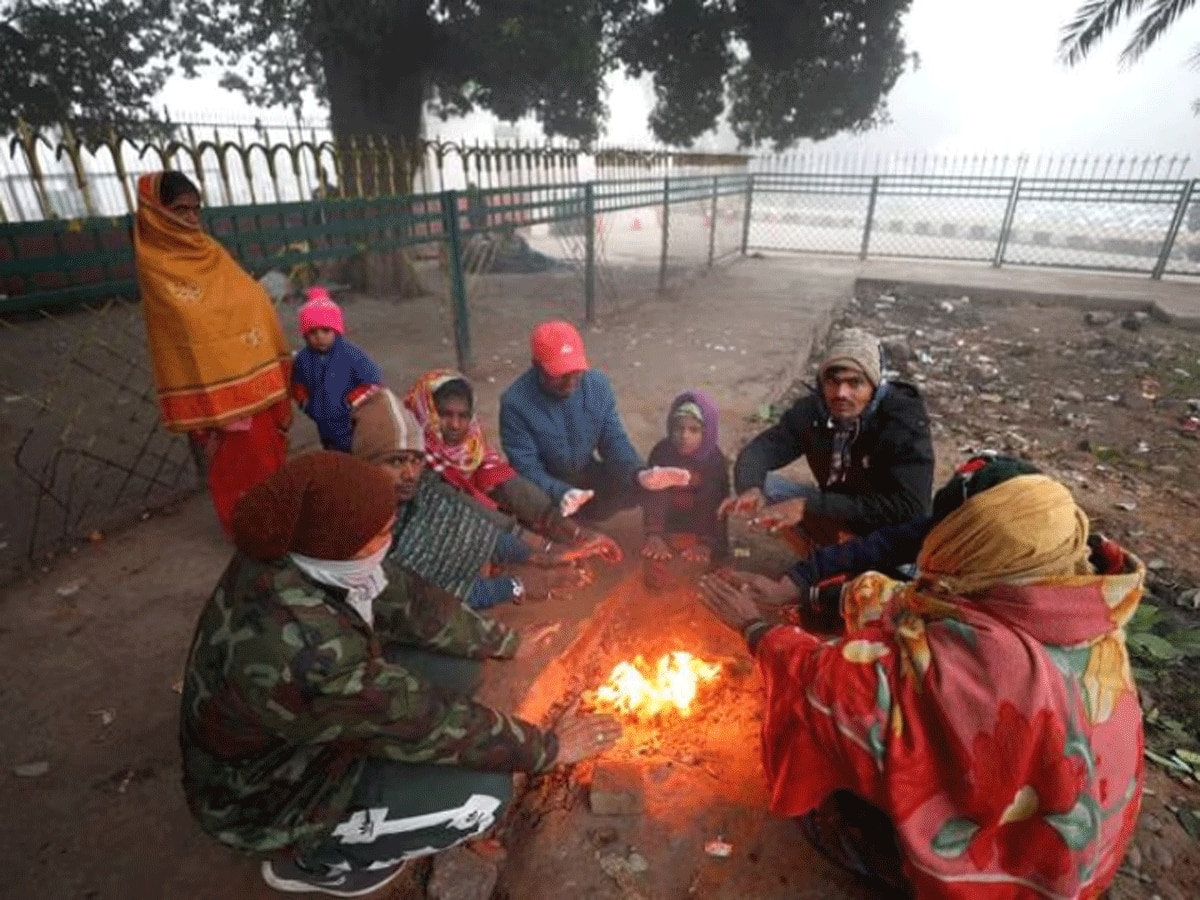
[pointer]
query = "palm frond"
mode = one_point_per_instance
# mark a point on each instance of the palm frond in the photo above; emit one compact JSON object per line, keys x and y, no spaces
{"x":1194,"y":60}
{"x":1161,"y":16}
{"x":1092,"y":22}
{"x":1196,"y":107}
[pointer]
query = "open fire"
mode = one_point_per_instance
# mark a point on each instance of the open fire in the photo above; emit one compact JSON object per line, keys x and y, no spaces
{"x":634,"y":688}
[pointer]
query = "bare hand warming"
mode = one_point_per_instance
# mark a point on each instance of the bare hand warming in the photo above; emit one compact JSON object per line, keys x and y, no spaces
{"x":582,"y":737}
{"x":747,"y":503}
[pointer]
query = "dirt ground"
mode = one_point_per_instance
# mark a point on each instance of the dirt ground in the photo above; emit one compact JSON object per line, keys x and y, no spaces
{"x":91,"y":649}
{"x":1107,"y":402}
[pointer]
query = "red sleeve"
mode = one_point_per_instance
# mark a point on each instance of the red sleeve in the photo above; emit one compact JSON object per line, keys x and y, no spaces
{"x":816,"y":702}
{"x":360,"y":393}
{"x":492,"y":473}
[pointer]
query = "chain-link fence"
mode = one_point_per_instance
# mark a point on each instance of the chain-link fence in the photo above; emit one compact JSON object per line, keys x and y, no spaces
{"x":83,"y":449}
{"x":81,"y":443}
{"x":1108,"y":225}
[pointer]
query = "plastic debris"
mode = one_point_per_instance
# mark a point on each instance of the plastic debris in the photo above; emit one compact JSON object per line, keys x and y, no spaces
{"x":70,"y":589}
{"x":32,"y":770}
{"x":1125,"y":505}
{"x":718,"y":848}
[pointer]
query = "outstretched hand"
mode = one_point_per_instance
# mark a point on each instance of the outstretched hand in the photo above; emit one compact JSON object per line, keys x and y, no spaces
{"x":593,"y":544}
{"x":573,"y":500}
{"x":660,"y":478}
{"x":582,"y":737}
{"x":765,"y":590}
{"x":778,"y":516}
{"x":747,"y":503}
{"x":730,"y":603}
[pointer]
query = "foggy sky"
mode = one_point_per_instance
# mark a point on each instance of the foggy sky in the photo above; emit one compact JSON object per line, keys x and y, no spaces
{"x":989,"y":81}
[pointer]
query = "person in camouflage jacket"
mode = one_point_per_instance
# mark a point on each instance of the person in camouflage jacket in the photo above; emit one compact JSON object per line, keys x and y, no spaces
{"x":299,"y":735}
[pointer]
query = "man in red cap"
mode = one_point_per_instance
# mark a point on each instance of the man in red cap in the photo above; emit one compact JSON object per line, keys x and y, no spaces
{"x":304,"y":737}
{"x":560,"y":429}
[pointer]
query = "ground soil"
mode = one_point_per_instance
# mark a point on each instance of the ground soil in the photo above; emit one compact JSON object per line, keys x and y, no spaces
{"x":1101,"y":401}
{"x":91,"y":649}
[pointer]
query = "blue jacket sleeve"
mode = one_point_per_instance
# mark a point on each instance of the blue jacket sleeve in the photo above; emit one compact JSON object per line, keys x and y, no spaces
{"x":883,"y":550}
{"x":614,"y":444}
{"x":516,"y":438}
{"x":488,"y":592}
{"x":364,"y":370}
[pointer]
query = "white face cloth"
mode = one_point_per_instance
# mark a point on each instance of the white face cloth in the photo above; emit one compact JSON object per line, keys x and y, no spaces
{"x":362,"y":579}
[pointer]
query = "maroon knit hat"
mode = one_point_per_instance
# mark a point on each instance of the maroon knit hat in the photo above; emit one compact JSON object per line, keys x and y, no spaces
{"x":325,"y":505}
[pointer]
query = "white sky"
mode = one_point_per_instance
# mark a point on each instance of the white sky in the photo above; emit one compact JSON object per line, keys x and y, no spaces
{"x":989,"y":82}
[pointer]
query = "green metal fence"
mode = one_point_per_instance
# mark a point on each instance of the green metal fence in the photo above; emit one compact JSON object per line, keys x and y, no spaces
{"x":80,"y":443}
{"x":56,"y":263}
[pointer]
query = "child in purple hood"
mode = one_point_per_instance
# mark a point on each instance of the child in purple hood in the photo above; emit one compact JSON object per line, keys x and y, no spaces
{"x":684,"y":520}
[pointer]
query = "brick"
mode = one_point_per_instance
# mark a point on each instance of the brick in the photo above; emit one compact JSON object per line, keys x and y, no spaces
{"x":616,"y":789}
{"x":459,"y":874}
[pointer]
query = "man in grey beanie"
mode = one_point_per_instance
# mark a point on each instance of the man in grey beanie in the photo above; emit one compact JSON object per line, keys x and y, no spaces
{"x":866,"y":441}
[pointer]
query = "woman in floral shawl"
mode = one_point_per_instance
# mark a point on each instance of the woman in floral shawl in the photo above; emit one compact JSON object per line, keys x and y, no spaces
{"x":975,"y":733}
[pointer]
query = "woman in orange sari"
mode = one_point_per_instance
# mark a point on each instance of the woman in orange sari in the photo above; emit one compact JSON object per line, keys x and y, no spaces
{"x":220,"y":360}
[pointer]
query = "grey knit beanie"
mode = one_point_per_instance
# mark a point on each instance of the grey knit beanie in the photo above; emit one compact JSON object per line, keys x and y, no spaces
{"x":853,"y":348}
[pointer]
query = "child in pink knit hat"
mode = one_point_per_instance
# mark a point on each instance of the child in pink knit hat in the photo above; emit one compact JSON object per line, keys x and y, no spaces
{"x":330,"y":375}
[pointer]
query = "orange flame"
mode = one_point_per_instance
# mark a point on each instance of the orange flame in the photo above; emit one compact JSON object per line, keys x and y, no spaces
{"x":632,"y":688}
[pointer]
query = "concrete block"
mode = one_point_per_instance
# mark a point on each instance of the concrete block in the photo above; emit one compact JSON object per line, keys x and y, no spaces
{"x":617,"y":789}
{"x":460,"y":874}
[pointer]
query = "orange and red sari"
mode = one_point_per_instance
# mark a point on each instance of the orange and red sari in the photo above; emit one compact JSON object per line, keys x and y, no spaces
{"x":220,"y":360}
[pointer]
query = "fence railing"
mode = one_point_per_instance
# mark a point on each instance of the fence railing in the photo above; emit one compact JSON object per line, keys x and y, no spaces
{"x":81,"y":431}
{"x":53,"y":173}
{"x":1128,"y":225}
{"x":81,"y":447}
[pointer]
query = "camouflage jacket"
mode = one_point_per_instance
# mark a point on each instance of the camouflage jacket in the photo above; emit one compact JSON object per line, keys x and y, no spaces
{"x":286,"y":693}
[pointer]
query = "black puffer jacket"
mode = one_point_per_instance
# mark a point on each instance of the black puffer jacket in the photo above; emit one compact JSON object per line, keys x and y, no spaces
{"x":890,"y":477}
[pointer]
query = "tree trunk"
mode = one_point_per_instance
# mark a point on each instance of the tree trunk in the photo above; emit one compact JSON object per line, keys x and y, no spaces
{"x":376,"y":78}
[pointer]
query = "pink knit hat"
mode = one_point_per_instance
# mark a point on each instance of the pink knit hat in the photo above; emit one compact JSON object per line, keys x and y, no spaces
{"x":320,"y":312}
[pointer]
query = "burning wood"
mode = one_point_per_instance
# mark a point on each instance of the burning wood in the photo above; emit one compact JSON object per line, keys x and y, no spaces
{"x":635,"y":689}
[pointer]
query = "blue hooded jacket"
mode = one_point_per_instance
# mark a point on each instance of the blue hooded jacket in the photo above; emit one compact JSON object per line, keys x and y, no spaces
{"x":326,"y":386}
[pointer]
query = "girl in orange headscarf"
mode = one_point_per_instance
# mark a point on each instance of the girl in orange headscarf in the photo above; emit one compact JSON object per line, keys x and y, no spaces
{"x":219,"y":356}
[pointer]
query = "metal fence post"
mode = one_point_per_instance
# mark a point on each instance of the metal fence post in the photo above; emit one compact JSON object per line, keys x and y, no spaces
{"x":589,"y":263}
{"x":1010,"y":213}
{"x":1164,"y":256}
{"x":666,"y":233}
{"x":712,"y":221}
{"x":458,"y":284}
{"x":866,"y":240}
{"x":746,"y":217}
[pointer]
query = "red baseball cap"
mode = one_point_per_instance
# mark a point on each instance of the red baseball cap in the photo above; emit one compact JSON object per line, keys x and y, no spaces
{"x":558,"y":349}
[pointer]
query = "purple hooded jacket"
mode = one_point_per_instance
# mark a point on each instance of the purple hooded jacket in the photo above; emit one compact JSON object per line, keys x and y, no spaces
{"x":692,"y":509}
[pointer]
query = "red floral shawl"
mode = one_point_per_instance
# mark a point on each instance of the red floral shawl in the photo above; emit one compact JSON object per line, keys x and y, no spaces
{"x":1002,"y":734}
{"x":472,"y":466}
